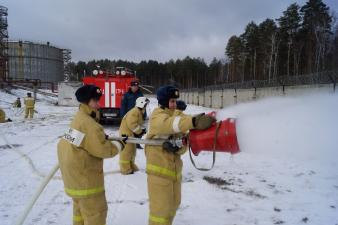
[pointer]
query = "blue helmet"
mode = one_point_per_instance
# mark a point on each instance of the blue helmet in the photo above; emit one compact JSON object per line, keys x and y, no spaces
{"x":87,"y":92}
{"x":181,"y":105}
{"x":165,"y":93}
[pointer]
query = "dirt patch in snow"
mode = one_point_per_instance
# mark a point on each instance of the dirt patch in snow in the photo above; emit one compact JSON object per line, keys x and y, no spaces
{"x":225,"y":185}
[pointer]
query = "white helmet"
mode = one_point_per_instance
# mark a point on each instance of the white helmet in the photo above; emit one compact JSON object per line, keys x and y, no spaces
{"x":141,"y":102}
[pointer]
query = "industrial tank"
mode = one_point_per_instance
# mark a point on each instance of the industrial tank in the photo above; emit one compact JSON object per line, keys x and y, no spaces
{"x":28,"y":60}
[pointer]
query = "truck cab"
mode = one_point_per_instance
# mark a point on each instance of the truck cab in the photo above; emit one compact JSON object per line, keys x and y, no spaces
{"x":114,"y":86}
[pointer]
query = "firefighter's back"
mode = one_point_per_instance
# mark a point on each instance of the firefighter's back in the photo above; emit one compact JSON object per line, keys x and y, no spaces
{"x":29,"y":102}
{"x":79,"y":168}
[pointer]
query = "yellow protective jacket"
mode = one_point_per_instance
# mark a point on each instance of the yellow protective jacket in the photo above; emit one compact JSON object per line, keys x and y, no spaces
{"x":163,"y":124}
{"x":2,"y":116}
{"x":29,"y":102}
{"x":131,"y":122}
{"x":81,"y":152}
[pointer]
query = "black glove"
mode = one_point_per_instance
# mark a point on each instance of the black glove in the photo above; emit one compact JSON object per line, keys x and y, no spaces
{"x":123,"y":142}
{"x":170,"y":147}
{"x":181,"y":105}
{"x":202,"y":121}
{"x":124,"y":139}
{"x":138,"y":146}
{"x":144,"y":130}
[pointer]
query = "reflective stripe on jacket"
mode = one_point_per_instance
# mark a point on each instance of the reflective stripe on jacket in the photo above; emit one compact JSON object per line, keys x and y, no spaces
{"x":81,"y":152}
{"x":164,"y":123}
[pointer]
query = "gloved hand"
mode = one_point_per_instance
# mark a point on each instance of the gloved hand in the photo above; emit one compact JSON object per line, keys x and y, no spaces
{"x":123,"y":142}
{"x":202,"y":121}
{"x":144,"y":130}
{"x":125,"y":138}
{"x":181,"y":105}
{"x":170,"y":147}
{"x":138,"y":146}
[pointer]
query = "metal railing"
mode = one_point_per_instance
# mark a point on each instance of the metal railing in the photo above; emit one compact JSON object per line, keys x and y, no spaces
{"x":327,"y":77}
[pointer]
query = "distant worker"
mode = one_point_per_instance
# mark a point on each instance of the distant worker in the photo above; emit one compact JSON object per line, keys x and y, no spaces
{"x":29,"y":105}
{"x":3,"y":117}
{"x":81,"y":152}
{"x":131,"y":127}
{"x":129,"y":98}
{"x":17,"y":103}
{"x":164,"y":164}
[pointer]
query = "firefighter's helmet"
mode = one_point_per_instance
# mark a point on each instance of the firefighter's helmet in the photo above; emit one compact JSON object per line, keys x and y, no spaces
{"x":141,"y":102}
{"x":165,"y":93}
{"x":87,"y":92}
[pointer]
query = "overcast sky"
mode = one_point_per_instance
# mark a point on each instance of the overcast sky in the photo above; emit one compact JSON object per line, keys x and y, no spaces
{"x":137,"y":30}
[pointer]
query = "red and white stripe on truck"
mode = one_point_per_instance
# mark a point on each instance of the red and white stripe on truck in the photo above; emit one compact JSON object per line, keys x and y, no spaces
{"x":109,"y":93}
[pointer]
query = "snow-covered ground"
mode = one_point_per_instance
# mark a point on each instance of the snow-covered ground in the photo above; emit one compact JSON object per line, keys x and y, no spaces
{"x":286,"y":172}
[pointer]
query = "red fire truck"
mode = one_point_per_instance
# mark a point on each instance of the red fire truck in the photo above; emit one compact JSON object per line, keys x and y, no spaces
{"x":113,"y":86}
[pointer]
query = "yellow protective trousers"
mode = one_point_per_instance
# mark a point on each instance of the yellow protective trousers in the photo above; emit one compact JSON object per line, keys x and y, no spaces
{"x":164,"y":199}
{"x":127,"y":159}
{"x":29,"y":112}
{"x":90,"y":211}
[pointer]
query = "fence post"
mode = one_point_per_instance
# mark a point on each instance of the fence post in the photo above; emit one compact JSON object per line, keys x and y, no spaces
{"x":334,"y":87}
{"x":222,"y":98}
{"x":235,"y":96}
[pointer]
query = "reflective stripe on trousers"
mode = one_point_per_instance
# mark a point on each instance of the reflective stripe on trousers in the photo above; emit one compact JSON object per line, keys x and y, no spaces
{"x":83,"y":192}
{"x":125,"y":161}
{"x":158,"y":219}
{"x":77,"y":218}
{"x":163,"y":171}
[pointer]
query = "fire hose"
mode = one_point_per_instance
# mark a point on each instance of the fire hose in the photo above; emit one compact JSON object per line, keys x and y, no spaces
{"x":46,"y":180}
{"x":156,"y":142}
{"x":175,"y":142}
{"x":221,"y":137}
{"x":37,"y":194}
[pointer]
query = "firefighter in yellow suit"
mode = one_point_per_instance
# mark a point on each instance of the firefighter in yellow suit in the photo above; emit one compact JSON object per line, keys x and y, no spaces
{"x":81,"y":152}
{"x":164,"y":164}
{"x":131,"y":127}
{"x":2,"y":116}
{"x":29,"y":106}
